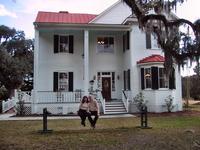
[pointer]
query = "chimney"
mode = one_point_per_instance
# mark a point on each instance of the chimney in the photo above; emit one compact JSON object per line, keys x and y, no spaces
{"x":64,"y":12}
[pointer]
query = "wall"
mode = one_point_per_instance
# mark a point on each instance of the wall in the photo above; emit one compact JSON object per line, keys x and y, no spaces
{"x":116,"y":14}
{"x":156,"y":98}
{"x":50,"y":62}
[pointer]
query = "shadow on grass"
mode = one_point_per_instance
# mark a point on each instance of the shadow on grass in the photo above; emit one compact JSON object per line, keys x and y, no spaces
{"x":87,"y":131}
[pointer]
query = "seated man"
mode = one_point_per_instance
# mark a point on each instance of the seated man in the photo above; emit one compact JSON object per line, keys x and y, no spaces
{"x":94,"y":109}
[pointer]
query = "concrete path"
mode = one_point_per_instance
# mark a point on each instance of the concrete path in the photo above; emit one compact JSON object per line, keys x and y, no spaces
{"x":7,"y":117}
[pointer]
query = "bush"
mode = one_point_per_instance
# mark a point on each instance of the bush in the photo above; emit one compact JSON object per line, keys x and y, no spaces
{"x":169,"y":103}
{"x":20,"y":107}
{"x":139,"y":101}
{"x":3,"y":93}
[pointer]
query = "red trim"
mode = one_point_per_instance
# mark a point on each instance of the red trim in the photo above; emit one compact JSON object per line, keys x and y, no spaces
{"x":151,"y":59}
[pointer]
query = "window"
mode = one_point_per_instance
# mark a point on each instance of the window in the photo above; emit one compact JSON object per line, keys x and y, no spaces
{"x":155,"y":78}
{"x":151,"y":41}
{"x":126,"y":41}
{"x":147,"y":77}
{"x":105,"y":45}
{"x":163,"y":82}
{"x":63,"y":81}
{"x":63,"y":43}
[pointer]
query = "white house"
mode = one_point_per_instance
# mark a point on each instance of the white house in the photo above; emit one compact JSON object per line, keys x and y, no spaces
{"x":105,"y":53}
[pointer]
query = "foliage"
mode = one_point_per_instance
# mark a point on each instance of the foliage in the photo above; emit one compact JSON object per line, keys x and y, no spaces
{"x":139,"y":101}
{"x":178,"y":45}
{"x":169,"y":103}
{"x":197,"y":70}
{"x":16,"y":58}
{"x":3,"y":93}
{"x":20,"y":107}
{"x":194,"y":86}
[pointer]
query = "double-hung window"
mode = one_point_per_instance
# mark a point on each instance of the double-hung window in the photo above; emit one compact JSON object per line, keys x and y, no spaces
{"x":105,"y":44}
{"x":163,"y":82}
{"x":151,"y":41}
{"x":147,"y":77}
{"x":63,"y":81}
{"x":63,"y":43}
{"x":155,"y":78}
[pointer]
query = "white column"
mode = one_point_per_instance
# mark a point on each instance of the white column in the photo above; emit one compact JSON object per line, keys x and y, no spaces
{"x":36,"y":57}
{"x":34,"y":98}
{"x":86,"y":62}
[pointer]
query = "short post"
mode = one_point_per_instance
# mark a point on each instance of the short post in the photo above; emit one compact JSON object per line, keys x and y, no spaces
{"x":144,"y":119}
{"x":45,"y":128}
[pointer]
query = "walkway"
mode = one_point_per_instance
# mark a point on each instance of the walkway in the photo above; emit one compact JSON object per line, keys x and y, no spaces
{"x":11,"y":116}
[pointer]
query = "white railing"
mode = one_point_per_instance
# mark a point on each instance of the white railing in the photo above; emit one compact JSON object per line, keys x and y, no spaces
{"x":7,"y":105}
{"x":126,"y":96}
{"x":58,"y":97}
{"x":24,"y":96}
{"x":102,"y":100}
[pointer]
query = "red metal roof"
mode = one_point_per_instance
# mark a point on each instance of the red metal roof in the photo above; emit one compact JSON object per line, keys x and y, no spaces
{"x":152,"y":58}
{"x":63,"y":17}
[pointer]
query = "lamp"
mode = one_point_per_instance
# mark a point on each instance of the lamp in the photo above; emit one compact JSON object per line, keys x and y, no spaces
{"x":94,"y":77}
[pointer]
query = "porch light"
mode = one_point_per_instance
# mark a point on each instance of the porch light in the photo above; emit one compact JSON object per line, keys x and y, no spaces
{"x":94,"y":77}
{"x":147,"y":75}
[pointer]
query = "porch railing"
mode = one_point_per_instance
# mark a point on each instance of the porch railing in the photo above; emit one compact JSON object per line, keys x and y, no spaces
{"x":24,"y":96}
{"x":59,"y":97}
{"x":102,"y":100}
{"x":126,"y":96}
{"x":7,"y":105}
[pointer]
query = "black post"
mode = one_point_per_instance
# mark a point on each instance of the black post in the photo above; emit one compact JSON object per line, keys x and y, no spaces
{"x":45,"y":129}
{"x":44,"y":119}
{"x":144,"y":120}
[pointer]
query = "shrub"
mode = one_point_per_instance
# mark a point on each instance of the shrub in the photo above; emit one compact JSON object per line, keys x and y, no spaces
{"x":139,"y":101}
{"x":169,"y":103}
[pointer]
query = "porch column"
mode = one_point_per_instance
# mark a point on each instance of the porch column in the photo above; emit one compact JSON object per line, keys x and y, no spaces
{"x":34,"y":98}
{"x":86,"y":62}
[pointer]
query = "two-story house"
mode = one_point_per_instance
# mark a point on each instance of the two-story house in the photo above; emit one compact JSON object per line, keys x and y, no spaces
{"x":105,"y":53}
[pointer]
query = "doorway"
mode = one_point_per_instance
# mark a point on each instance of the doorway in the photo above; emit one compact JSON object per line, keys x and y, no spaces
{"x":106,"y":88}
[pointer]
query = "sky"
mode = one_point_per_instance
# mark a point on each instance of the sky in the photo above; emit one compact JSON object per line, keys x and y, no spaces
{"x":20,"y":14}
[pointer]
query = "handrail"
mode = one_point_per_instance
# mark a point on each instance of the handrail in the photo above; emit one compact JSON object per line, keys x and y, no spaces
{"x":125,"y":100}
{"x":123,"y":91}
{"x":102,"y":100}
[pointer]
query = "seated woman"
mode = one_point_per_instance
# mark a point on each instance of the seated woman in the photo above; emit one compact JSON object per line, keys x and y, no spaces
{"x":84,"y":111}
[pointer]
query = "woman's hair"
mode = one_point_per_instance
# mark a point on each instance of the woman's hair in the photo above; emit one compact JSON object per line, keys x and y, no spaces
{"x":84,"y":99}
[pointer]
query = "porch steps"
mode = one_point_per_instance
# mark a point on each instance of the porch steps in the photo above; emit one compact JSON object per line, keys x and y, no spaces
{"x":115,"y":107}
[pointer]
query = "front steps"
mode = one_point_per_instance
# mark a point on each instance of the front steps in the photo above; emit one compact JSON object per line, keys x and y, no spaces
{"x":115,"y":107}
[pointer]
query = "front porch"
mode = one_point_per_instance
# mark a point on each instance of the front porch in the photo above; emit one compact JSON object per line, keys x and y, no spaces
{"x":64,"y":103}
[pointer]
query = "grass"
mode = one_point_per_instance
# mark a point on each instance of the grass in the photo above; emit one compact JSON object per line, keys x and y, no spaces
{"x":116,"y":133}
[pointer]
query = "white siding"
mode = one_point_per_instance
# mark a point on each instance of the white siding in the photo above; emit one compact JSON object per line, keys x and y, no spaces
{"x":115,"y":15}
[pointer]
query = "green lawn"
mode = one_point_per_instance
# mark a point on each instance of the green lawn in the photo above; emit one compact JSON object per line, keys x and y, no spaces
{"x":119,"y":133}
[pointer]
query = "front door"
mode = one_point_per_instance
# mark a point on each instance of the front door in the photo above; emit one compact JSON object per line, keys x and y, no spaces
{"x":106,"y":88}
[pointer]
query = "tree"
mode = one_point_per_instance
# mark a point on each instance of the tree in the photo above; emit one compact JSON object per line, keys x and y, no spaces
{"x":16,"y":58}
{"x":178,"y":45}
{"x":197,"y":70}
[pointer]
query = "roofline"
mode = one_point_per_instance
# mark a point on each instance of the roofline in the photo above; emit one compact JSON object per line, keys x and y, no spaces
{"x":83,"y":26}
{"x":150,"y":63}
{"x":105,"y":11}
